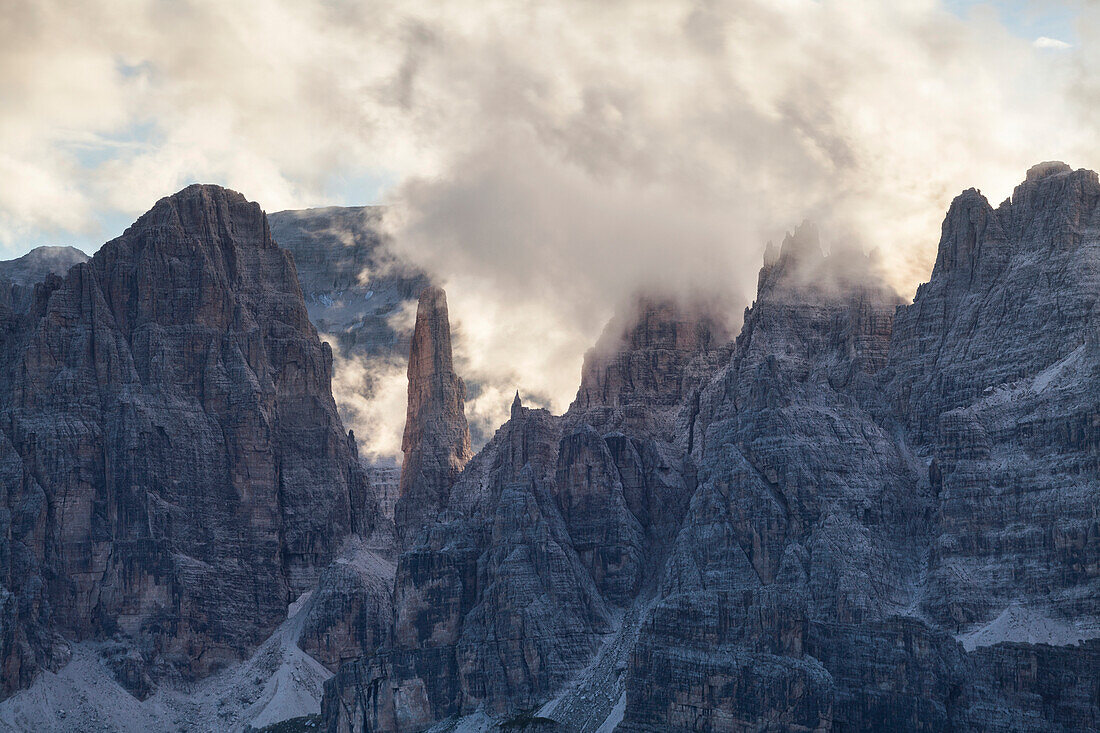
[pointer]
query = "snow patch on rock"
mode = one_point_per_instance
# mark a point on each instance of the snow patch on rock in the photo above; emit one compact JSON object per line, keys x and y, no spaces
{"x":615,"y":717}
{"x":1028,"y":625}
{"x":278,"y":682}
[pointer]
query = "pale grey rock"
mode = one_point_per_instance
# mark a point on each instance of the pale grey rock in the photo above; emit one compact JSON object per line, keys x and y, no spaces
{"x":807,"y":511}
{"x":547,"y":535}
{"x":875,"y":477}
{"x":34,"y":266}
{"x":835,"y":522}
{"x":18,"y":276}
{"x":995,"y":369}
{"x":351,"y":611}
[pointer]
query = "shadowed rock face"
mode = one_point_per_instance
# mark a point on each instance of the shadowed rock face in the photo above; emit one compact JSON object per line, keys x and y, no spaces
{"x":173,"y":467}
{"x":829,"y":555}
{"x":351,"y":610}
{"x":858,"y":515}
{"x":805,"y":513}
{"x":436,"y":442}
{"x":356,"y":291}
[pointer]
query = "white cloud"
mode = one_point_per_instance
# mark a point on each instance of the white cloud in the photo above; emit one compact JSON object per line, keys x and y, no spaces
{"x":1053,"y":43}
{"x":372,"y":395}
{"x":551,"y":158}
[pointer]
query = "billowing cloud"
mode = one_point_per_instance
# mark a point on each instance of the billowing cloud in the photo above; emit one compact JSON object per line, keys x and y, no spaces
{"x":548,"y":159}
{"x":372,"y":394}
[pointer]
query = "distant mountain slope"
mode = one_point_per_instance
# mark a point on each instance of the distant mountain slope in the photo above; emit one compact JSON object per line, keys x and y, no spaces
{"x":39,"y":262}
{"x":352,"y":285}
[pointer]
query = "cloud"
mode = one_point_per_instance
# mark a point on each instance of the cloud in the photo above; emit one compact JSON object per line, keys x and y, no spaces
{"x":371,"y":393}
{"x":550,"y":159}
{"x":1052,"y":43}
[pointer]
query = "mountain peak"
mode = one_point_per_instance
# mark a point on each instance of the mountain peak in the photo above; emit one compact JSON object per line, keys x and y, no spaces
{"x":805,"y":239}
{"x":642,"y":355}
{"x":39,"y":262}
{"x":1045,"y":169}
{"x":209,"y":212}
{"x":436,"y":442}
{"x":969,"y":220}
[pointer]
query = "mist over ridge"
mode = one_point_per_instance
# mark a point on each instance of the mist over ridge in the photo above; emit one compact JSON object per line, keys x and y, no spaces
{"x":549,"y":161}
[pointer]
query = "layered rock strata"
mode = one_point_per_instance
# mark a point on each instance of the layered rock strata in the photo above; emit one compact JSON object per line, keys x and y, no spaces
{"x":994,"y":369}
{"x":174,"y":470}
{"x":807,"y":512}
{"x":436,"y":442}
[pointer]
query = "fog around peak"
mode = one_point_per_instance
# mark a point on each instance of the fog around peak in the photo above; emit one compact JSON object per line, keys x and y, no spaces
{"x":546,"y":161}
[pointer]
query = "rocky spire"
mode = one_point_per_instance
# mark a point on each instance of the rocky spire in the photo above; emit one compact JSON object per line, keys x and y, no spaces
{"x":798,"y":259}
{"x":437,"y":438}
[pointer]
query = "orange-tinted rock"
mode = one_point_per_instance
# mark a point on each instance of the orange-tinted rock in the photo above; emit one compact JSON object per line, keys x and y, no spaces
{"x":436,"y":442}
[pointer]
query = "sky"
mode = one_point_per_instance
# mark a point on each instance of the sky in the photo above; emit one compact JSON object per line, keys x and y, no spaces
{"x":547,"y":160}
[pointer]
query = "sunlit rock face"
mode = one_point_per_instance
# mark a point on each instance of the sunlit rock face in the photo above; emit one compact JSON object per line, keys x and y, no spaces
{"x":436,"y":442}
{"x":174,"y":470}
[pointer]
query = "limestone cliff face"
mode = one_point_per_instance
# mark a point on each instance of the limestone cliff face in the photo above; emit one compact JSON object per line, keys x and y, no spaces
{"x":436,"y":442}
{"x":1012,"y":292}
{"x":353,"y":285}
{"x":994,"y":368}
{"x":548,"y":539}
{"x":858,"y":515}
{"x":804,"y":515}
{"x":872,"y":490}
{"x":174,"y":467}
{"x":640,"y":361}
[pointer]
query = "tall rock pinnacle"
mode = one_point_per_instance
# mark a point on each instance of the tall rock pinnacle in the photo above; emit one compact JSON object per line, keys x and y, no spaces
{"x":437,"y":438}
